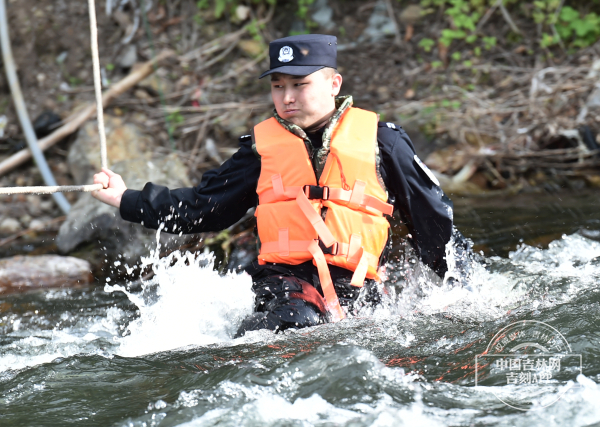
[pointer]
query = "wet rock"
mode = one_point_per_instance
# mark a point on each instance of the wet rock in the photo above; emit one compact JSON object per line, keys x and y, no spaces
{"x":322,"y":14}
{"x":34,"y":205}
{"x":380,"y":25}
{"x":37,"y":225}
{"x":25,"y":273}
{"x":242,"y":13}
{"x":46,"y":205}
{"x":590,"y":234}
{"x":9,"y":226}
{"x":252,"y":48}
{"x":93,"y":222}
{"x":25,"y":220}
{"x":594,"y":98}
{"x":124,"y":141}
{"x":128,"y":57}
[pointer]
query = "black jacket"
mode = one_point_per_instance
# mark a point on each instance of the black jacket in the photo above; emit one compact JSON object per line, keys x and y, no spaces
{"x":226,"y":193}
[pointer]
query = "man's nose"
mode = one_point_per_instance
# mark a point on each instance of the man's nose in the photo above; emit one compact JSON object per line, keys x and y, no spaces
{"x":288,"y":97}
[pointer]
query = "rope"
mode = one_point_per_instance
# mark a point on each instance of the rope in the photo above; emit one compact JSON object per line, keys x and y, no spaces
{"x":50,"y":189}
{"x":97,"y":82}
{"x":26,"y":123}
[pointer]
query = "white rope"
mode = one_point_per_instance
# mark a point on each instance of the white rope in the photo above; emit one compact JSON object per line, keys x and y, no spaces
{"x":51,"y":189}
{"x":97,"y":81}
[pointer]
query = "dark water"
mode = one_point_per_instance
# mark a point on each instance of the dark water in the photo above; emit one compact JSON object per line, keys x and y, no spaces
{"x":164,"y":356}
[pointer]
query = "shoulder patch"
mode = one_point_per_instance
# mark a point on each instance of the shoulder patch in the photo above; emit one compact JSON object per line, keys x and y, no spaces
{"x":425,"y":169}
{"x":389,"y":125}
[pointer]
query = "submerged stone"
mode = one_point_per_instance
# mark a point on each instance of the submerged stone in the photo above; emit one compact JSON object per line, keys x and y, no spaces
{"x":25,"y":273}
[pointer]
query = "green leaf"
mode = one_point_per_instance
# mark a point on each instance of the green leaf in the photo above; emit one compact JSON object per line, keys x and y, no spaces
{"x":568,"y":14}
{"x":489,"y":42}
{"x":426,"y":44}
{"x":547,"y":40}
{"x":220,"y":7}
{"x":538,"y":17}
{"x":436,"y":64}
{"x":453,"y":34}
{"x":471,"y":38}
{"x":456,"y":56}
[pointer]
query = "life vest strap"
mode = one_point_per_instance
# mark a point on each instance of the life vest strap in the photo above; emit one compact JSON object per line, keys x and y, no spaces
{"x":331,"y":298}
{"x":332,"y":194}
{"x":315,"y":219}
{"x":358,"y":278}
{"x":341,"y":195}
{"x":353,"y":251}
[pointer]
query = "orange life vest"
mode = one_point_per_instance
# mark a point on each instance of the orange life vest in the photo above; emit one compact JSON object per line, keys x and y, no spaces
{"x":291,"y":229}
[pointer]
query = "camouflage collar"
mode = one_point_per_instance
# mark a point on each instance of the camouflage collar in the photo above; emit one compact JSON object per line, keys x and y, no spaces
{"x":342,"y":103}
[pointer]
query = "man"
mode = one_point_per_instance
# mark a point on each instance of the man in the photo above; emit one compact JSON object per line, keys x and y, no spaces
{"x":326,"y":176}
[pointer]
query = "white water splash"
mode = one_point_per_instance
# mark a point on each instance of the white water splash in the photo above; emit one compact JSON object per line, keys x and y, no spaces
{"x":529,"y":277}
{"x":185,"y":303}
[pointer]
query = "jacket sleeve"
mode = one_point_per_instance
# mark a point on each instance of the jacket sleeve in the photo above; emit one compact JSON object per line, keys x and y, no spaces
{"x":423,"y":206}
{"x":223,"y":197}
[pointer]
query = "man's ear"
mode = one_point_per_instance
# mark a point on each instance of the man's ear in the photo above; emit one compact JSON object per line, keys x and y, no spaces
{"x":336,"y":84}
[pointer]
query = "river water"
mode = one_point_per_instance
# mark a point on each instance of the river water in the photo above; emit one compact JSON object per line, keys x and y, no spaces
{"x":161,"y":354}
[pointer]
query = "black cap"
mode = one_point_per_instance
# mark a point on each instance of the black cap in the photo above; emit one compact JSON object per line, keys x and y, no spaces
{"x":302,"y":55}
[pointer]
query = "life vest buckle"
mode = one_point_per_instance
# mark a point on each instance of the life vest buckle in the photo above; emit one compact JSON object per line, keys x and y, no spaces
{"x":331,"y":250}
{"x":316,"y":192}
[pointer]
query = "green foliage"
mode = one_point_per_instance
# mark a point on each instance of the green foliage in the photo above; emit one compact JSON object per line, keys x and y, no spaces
{"x":173,"y":120}
{"x":573,"y":24}
{"x":303,"y":8}
{"x":578,"y":29}
{"x":426,"y":44}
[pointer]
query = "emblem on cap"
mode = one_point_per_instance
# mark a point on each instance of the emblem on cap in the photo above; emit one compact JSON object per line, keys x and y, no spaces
{"x":286,"y":54}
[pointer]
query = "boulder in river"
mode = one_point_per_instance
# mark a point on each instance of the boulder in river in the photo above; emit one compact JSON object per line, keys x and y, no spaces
{"x":25,"y":273}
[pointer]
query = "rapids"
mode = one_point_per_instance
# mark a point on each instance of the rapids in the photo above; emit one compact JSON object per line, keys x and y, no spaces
{"x":163,"y":354}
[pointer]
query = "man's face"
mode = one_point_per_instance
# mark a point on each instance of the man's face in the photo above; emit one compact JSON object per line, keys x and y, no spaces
{"x":305,"y":100}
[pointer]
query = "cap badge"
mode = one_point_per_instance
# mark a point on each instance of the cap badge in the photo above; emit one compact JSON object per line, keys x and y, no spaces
{"x":286,"y":54}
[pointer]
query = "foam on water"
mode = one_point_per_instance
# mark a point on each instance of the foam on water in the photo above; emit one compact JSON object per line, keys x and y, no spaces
{"x":530,"y":276}
{"x":36,"y":345}
{"x":186,"y":303}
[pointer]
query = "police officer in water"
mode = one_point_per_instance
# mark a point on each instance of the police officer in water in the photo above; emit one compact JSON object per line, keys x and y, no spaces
{"x":323,"y":177}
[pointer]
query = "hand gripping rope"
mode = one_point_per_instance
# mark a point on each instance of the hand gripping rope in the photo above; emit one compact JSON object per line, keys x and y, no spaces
{"x":9,"y":65}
